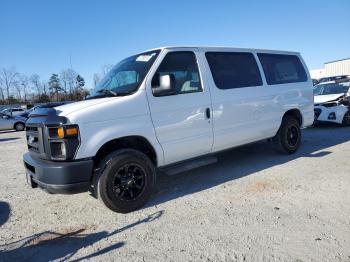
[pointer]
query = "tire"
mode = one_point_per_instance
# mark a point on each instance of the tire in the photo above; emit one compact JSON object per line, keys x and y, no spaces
{"x":288,"y":137}
{"x":346,"y":119}
{"x":126,"y":180}
{"x":19,"y":126}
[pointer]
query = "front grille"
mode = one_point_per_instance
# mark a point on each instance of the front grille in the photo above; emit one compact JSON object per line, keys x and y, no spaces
{"x":318,"y":111}
{"x":34,"y":139}
{"x":32,"y":128}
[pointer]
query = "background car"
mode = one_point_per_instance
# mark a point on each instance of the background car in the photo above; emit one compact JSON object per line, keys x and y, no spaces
{"x":13,"y":111}
{"x":8,"y":122}
{"x":332,"y":102}
{"x":333,"y":78}
{"x":47,"y":105}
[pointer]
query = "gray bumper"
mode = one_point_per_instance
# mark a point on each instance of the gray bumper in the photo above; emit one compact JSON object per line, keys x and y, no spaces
{"x":59,"y":177}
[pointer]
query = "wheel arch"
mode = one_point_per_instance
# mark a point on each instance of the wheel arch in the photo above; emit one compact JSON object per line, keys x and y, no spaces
{"x":136,"y":142}
{"x":296,"y":114}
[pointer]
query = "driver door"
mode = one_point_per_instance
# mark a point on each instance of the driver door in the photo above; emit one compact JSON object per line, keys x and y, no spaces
{"x":181,"y":119}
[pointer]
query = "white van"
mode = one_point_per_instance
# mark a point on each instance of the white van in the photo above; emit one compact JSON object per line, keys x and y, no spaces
{"x":167,"y":109}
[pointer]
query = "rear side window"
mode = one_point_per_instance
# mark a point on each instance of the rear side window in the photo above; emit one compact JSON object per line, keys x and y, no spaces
{"x":281,"y":69}
{"x":233,"y":70}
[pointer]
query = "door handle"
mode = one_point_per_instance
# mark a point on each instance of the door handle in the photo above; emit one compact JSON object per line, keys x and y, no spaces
{"x":207,"y":112}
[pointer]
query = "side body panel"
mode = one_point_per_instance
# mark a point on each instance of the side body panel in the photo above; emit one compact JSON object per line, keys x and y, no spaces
{"x":249,"y":114}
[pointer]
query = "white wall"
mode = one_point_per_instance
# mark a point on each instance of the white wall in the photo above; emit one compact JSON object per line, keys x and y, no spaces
{"x":341,"y":67}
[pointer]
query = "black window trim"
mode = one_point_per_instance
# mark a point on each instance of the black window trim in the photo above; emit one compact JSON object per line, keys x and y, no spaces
{"x":199,"y":72}
{"x":257,"y":62}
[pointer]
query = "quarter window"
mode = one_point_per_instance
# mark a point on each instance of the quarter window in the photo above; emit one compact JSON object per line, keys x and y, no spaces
{"x":281,"y":69}
{"x":182,"y":67}
{"x":233,"y":69}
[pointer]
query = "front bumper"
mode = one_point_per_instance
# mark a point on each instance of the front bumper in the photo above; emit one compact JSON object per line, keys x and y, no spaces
{"x":58,"y":177}
{"x":333,"y":114}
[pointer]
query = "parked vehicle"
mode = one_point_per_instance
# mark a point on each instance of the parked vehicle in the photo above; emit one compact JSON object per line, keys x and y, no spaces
{"x":8,"y":122}
{"x":13,"y":111}
{"x":46,"y":105}
{"x":332,"y":102}
{"x":333,"y":78}
{"x":167,"y":109}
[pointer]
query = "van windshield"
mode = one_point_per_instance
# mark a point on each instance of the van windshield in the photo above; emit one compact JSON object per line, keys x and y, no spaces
{"x":125,"y":77}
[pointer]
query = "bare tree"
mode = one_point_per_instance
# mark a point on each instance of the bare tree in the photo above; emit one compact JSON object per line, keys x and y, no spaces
{"x":106,"y":68}
{"x":96,"y":79}
{"x":64,"y":78}
{"x":24,"y":82}
{"x":2,"y":96}
{"x":71,"y":76}
{"x":35,"y":81}
{"x":9,"y":78}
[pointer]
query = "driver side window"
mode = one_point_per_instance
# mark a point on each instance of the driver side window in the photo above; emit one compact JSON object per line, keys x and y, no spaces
{"x":182,"y":68}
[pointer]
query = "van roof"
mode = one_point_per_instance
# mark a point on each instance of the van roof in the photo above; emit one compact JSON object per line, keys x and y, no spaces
{"x":224,"y":48}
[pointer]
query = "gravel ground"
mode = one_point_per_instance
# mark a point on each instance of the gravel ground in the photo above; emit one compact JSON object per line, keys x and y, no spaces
{"x":253,"y":205}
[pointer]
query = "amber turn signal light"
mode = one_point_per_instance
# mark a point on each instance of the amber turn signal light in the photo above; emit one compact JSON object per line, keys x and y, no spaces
{"x":71,"y":131}
{"x":60,"y":132}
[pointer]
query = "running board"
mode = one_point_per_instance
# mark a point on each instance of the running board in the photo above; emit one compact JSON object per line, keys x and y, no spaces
{"x":188,"y":165}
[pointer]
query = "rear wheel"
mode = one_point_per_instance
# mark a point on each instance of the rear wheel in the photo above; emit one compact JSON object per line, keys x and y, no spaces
{"x":127,"y":180}
{"x":288,"y":137}
{"x":346,"y":119}
{"x":19,"y":126}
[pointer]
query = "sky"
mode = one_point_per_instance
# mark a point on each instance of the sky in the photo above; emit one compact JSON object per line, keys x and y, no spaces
{"x":41,"y":36}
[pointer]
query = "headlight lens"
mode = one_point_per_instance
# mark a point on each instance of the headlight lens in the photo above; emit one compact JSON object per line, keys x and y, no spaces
{"x":64,"y":141}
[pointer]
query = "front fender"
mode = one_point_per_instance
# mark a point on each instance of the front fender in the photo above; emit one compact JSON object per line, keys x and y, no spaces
{"x":95,"y":134}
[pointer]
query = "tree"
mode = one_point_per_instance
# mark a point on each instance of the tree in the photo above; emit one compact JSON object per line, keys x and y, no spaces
{"x":106,"y":68}
{"x":80,"y":82}
{"x":35,"y":81}
{"x":24,"y":82}
{"x":9,"y":80}
{"x":55,"y":85}
{"x":2,"y":96}
{"x":96,"y":79}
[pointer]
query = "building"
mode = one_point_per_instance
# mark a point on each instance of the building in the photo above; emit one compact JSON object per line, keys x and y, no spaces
{"x":338,"y":67}
{"x":332,"y":68}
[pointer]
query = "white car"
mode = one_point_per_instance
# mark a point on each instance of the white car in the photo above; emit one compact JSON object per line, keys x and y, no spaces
{"x":168,"y":109}
{"x":12,"y":122}
{"x":332,"y":102}
{"x":13,"y":111}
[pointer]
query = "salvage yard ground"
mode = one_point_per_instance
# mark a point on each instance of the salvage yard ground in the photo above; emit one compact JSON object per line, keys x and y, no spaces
{"x":254,"y":205}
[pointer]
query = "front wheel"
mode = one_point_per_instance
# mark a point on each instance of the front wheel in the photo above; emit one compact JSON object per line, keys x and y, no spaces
{"x":127,"y":180}
{"x":288,"y":137}
{"x":19,"y":126}
{"x":346,"y":119}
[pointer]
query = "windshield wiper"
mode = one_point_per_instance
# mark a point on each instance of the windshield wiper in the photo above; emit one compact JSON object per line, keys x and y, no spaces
{"x":107,"y":92}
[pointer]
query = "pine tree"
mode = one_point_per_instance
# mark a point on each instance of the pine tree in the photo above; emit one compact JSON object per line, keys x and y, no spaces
{"x":54,"y":85}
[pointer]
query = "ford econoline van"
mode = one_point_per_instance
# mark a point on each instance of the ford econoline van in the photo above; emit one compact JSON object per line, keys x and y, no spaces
{"x":168,"y":109}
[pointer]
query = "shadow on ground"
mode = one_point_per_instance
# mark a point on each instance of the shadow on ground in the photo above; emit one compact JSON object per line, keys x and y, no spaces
{"x":8,"y":139}
{"x":246,"y":160}
{"x":48,"y":246}
{"x":7,"y":131}
{"x":4,"y":212}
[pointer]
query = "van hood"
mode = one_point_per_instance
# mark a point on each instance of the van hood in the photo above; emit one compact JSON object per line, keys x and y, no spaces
{"x":326,"y":98}
{"x":66,"y":109}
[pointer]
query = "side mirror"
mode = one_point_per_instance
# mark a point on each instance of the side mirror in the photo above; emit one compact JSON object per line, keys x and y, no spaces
{"x":166,"y":86}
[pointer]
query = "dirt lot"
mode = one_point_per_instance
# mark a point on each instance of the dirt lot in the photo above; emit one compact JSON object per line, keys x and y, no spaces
{"x":254,"y":205}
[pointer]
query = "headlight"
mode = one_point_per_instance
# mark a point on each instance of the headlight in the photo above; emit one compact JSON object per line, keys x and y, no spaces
{"x":63,"y":131}
{"x":63,"y":141}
